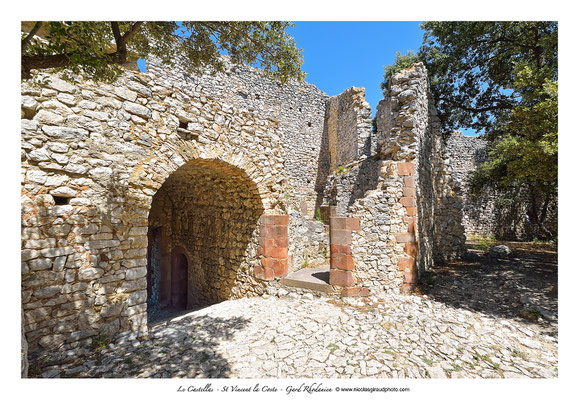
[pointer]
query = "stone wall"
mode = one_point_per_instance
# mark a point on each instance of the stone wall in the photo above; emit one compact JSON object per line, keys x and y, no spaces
{"x":298,"y":109}
{"x":465,"y":154}
{"x":489,"y":213}
{"x":353,"y":170}
{"x":409,"y":130}
{"x":95,"y":156}
{"x":349,"y":127}
{"x":402,"y":192}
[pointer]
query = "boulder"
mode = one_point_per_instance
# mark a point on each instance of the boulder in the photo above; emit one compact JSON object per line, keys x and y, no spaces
{"x":500,"y":251}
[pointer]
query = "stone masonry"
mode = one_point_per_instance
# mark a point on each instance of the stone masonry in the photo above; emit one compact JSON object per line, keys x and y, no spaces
{"x":171,"y":190}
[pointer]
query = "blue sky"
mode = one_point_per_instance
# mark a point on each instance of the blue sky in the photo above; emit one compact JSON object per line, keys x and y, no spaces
{"x":339,"y":55}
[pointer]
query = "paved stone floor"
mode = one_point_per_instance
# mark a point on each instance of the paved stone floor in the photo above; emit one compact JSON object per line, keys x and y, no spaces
{"x":290,"y":335}
{"x":398,"y":337}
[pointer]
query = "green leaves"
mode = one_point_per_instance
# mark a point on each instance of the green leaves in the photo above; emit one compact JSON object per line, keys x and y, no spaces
{"x":501,"y":78}
{"x":401,"y":62}
{"x":93,"y":48}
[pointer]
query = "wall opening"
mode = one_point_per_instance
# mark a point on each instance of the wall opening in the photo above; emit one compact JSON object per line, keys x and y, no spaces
{"x":61,"y":200}
{"x":203,"y":237}
{"x":179,"y":278}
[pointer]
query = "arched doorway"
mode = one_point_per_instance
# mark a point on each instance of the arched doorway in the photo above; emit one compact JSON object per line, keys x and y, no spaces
{"x":203,"y":236}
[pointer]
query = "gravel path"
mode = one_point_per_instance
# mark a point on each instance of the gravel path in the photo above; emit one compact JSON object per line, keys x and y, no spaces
{"x":302,"y":336}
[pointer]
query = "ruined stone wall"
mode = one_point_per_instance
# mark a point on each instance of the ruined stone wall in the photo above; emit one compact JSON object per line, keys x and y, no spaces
{"x":353,"y":171}
{"x":412,"y":133}
{"x":298,"y":109}
{"x":489,"y":214}
{"x":349,"y":124}
{"x":465,"y":154}
{"x":93,"y":157}
{"x":402,"y":192}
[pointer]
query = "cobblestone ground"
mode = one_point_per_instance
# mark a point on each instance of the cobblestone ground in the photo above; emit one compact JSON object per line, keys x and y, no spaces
{"x":292,"y":335}
{"x":398,"y":337}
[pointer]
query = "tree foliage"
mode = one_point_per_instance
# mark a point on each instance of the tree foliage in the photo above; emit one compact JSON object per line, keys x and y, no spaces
{"x":474,"y":67}
{"x":99,"y":48}
{"x":401,"y":62}
{"x":500,"y":78}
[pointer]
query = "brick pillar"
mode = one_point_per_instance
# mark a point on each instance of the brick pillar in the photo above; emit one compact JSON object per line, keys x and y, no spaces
{"x":273,"y":244}
{"x":341,"y":261}
{"x":407,"y":262}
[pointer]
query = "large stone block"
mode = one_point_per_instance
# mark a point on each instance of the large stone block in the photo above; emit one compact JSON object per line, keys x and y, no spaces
{"x":135,"y":273}
{"x":89,"y":273}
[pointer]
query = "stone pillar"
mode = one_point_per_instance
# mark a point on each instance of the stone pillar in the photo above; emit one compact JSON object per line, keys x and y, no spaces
{"x":341,"y":260}
{"x":407,"y":263}
{"x":273,"y":246}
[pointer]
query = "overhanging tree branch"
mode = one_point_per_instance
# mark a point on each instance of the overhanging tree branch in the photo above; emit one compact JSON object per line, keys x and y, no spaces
{"x":30,"y":35}
{"x":122,"y":44}
{"x":504,"y":106}
{"x":29,"y":62}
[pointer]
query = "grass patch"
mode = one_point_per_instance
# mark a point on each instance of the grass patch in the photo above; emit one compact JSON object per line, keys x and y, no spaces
{"x":319,"y":215}
{"x":100,"y":342}
{"x":428,"y":362}
{"x":485,"y":243}
{"x":520,"y":354}
{"x":332,"y":347}
{"x":530,"y":314}
{"x":388,"y":351}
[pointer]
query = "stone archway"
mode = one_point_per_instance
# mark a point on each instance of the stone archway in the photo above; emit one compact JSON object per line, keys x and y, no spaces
{"x":203,"y":223}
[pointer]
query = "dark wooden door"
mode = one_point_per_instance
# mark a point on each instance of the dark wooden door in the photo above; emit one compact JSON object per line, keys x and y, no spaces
{"x":179,"y":281}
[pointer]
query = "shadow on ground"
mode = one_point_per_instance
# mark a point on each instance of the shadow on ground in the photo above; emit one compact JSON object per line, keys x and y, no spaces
{"x":522,"y":286}
{"x":185,"y":347}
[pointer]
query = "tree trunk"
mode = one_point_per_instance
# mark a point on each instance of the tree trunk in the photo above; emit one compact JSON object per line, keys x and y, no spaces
{"x":42,"y":62}
{"x":534,"y":213}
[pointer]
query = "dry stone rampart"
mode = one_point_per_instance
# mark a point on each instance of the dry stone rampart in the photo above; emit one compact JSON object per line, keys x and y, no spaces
{"x":465,"y":154}
{"x":298,"y":108}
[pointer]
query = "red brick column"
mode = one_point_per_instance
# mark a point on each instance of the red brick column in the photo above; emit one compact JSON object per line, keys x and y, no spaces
{"x":273,"y":244}
{"x":407,"y":262}
{"x":341,"y":261}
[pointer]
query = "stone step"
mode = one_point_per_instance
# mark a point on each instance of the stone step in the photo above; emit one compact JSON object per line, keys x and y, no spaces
{"x":310,"y":278}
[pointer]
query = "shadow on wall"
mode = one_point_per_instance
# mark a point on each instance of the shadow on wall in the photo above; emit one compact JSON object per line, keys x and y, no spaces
{"x":440,"y":203}
{"x":323,"y":165}
{"x":366,"y":178}
{"x":354,"y":179}
{"x":210,"y":210}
